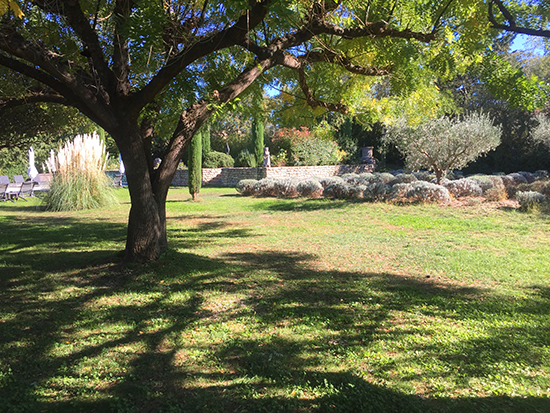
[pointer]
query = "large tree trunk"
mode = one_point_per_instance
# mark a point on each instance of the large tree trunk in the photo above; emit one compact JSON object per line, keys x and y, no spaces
{"x":146,"y":236}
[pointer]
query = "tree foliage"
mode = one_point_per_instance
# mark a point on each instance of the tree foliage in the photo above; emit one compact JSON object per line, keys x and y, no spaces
{"x":142,"y":69}
{"x":444,"y":144}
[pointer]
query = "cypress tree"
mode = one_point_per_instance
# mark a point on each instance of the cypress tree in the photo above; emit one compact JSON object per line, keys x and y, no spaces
{"x":258,"y":138}
{"x":206,"y":140}
{"x":195,"y":165}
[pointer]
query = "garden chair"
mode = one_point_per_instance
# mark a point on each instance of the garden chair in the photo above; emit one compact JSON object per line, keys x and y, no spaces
{"x":117,"y":181}
{"x":18,"y":179}
{"x":27,"y":189}
{"x":4,"y":179}
{"x":3,"y":194}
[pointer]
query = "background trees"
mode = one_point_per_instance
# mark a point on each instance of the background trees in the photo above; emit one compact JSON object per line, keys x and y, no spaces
{"x":149,"y":70}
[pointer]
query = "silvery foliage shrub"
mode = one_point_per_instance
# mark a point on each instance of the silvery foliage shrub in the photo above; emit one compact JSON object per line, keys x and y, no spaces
{"x":427,"y":192}
{"x":376,"y":191}
{"x":265,"y":187}
{"x":529,"y":177}
{"x":286,"y":188}
{"x":545,"y":189}
{"x":353,"y":179}
{"x":310,"y":188}
{"x":402,"y":179}
{"x":508,"y":180}
{"x":496,"y":194}
{"x":542,"y":174}
{"x":463,"y":187}
{"x":398,"y":192}
{"x":542,"y":132}
{"x":424,"y":175}
{"x":343,"y":190}
{"x":444,"y":144}
{"x":383,"y":177}
{"x":529,"y":199}
{"x":246,"y":186}
{"x":518,"y":178}
{"x":367,"y":177}
{"x":325,"y":182}
{"x":488,"y":181}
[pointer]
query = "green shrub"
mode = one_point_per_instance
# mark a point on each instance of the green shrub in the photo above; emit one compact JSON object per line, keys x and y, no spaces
{"x":246,"y":159}
{"x":79,"y":181}
{"x":316,"y":152}
{"x":214,"y":159}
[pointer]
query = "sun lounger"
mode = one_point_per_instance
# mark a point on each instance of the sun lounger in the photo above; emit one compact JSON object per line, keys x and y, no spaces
{"x":27,"y":189}
{"x":3,"y":194}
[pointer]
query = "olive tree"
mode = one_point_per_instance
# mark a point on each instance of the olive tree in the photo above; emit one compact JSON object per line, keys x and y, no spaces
{"x":445,"y":143}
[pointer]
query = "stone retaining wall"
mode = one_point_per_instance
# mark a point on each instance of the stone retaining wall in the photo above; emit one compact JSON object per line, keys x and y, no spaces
{"x":229,"y":177}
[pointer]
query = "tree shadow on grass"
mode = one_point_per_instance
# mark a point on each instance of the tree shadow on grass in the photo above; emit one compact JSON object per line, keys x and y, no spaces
{"x":305,"y":205}
{"x":81,"y":336}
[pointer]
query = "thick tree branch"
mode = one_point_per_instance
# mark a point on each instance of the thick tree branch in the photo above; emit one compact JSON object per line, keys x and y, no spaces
{"x":203,"y":46}
{"x":328,"y":56}
{"x":377,"y":29}
{"x":46,"y":98}
{"x":511,"y":26}
{"x":196,"y":115}
{"x":315,"y":103}
{"x":121,"y":52}
{"x":72,"y":11}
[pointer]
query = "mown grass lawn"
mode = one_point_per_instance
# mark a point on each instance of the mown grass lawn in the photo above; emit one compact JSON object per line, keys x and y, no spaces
{"x":266,"y":305}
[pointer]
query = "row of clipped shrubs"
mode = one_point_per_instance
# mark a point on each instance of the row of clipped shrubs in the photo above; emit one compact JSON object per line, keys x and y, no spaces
{"x":528,"y":188}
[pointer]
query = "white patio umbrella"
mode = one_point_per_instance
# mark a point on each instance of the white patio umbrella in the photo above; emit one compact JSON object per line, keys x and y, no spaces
{"x":33,"y":172}
{"x":121,"y":169}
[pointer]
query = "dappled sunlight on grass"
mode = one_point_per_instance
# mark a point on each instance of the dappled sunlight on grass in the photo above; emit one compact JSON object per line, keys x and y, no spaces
{"x":248,"y":311}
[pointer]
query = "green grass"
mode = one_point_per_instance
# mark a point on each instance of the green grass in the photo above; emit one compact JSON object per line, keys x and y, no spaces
{"x":266,"y":305}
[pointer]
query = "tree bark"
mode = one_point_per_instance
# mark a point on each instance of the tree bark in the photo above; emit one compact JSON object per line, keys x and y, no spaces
{"x":146,"y":236}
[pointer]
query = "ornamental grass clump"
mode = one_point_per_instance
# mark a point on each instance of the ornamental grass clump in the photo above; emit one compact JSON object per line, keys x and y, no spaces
{"x":80,"y":181}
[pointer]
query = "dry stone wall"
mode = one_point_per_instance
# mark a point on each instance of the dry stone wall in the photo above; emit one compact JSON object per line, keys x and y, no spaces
{"x":229,"y":177}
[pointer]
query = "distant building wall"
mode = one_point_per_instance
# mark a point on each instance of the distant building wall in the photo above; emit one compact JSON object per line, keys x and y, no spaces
{"x":229,"y":177}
